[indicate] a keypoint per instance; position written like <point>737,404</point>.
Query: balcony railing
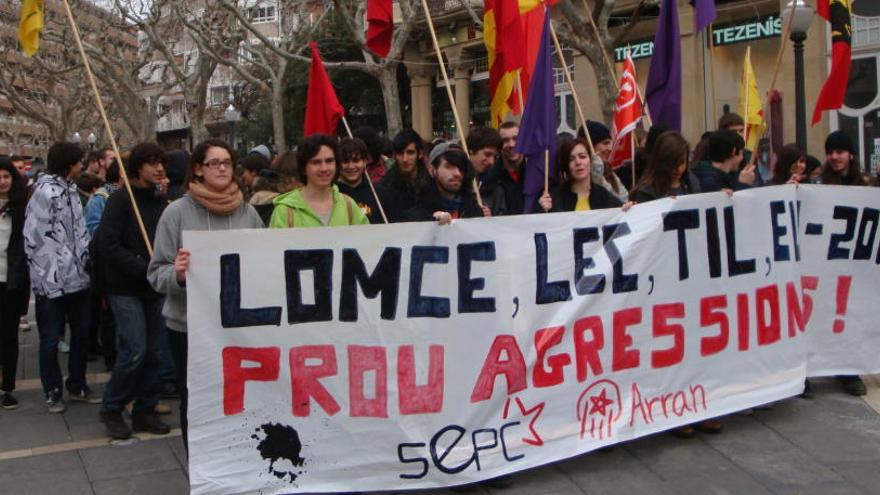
<point>440,7</point>
<point>171,122</point>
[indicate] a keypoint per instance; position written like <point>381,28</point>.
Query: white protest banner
<point>416,356</point>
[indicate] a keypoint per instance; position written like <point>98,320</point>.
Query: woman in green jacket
<point>318,203</point>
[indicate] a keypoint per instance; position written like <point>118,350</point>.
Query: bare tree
<point>173,53</point>
<point>597,41</point>
<point>258,64</point>
<point>352,12</point>
<point>48,89</point>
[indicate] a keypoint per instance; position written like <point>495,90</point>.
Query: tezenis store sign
<point>723,34</point>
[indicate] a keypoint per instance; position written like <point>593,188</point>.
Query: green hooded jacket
<point>291,210</point>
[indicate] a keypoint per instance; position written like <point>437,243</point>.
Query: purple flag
<point>704,13</point>
<point>537,131</point>
<point>663,91</point>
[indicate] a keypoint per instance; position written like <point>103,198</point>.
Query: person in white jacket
<point>56,245</point>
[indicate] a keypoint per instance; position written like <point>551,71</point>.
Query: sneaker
<point>8,401</point>
<point>711,426</point>
<point>149,422</point>
<point>116,427</point>
<point>63,347</point>
<point>84,395</point>
<point>853,385</point>
<point>54,402</point>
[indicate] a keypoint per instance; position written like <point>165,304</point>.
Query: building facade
<point>711,72</point>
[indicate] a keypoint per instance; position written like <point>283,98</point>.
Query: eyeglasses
<point>215,164</point>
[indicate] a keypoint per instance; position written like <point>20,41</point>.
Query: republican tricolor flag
<point>503,36</point>
<point>627,113</point>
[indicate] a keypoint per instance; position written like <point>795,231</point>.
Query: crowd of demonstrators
<point>77,239</point>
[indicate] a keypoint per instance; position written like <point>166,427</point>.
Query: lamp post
<point>800,24</point>
<point>92,139</point>
<point>76,138</point>
<point>232,116</point>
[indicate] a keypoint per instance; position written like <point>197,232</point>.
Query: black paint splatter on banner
<point>281,443</point>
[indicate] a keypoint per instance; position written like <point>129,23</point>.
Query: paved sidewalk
<point>829,445</point>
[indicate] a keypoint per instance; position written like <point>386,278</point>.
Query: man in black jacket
<point>447,197</point>
<point>354,182</point>
<point>136,307</point>
<point>721,170</point>
<point>505,178</point>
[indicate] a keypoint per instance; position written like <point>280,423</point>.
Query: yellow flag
<point>750,104</point>
<point>30,26</point>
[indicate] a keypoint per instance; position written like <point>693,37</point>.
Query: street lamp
<point>800,23</point>
<point>92,140</point>
<point>76,138</point>
<point>232,116</point>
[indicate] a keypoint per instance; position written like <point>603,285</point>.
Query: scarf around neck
<point>221,203</point>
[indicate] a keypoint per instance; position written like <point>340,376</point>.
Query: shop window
<point>861,89</point>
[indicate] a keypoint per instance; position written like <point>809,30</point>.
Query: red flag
<point>323,110</point>
<point>834,90</point>
<point>627,113</point>
<point>380,26</point>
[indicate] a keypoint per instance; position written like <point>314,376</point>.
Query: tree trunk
<point>278,106</point>
<point>387,77</point>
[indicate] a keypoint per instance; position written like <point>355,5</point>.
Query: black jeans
<point>177,342</point>
<point>9,316</point>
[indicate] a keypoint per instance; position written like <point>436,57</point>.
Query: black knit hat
<point>839,140</point>
<point>598,131</point>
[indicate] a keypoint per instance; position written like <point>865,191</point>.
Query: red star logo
<point>535,439</point>
<point>599,403</point>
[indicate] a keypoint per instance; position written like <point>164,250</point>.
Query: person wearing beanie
<point>176,171</point>
<point>261,150</point>
<point>841,167</point>
<point>448,196</point>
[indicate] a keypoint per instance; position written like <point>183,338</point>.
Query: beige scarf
<point>221,203</point>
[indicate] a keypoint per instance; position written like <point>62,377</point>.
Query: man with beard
<point>448,197</point>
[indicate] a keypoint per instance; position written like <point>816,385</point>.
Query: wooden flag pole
<point>599,42</point>
<point>100,104</point>
<point>577,103</point>
<point>783,42</point>
<point>709,32</point>
<point>458,125</point>
<point>366,175</point>
<point>632,161</point>
<point>519,92</point>
<point>748,88</point>
<point>547,171</point>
